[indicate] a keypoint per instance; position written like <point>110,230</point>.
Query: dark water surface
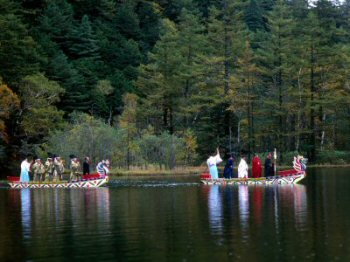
<point>180,220</point>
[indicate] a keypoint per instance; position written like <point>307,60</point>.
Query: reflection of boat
<point>88,181</point>
<point>284,177</point>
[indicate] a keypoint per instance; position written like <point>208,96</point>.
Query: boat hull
<point>274,180</point>
<point>91,183</point>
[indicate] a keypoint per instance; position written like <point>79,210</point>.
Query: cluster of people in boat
<point>52,170</point>
<point>257,167</point>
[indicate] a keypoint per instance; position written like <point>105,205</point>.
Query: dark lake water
<point>180,220</point>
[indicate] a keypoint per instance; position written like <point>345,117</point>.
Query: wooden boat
<point>88,181</point>
<point>284,177</point>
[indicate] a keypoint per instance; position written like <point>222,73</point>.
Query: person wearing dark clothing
<point>268,166</point>
<point>86,166</point>
<point>228,171</point>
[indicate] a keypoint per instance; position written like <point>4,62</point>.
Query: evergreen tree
<point>274,54</point>
<point>19,54</point>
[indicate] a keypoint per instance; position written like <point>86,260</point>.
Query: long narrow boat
<point>88,181</point>
<point>284,177</point>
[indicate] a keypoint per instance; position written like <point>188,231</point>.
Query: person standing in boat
<point>228,171</point>
<point>75,168</point>
<point>49,167</point>
<point>256,166</point>
<point>38,170</point>
<point>268,166</point>
<point>243,168</point>
<point>25,169</point>
<point>58,169</point>
<point>212,162</point>
<point>86,166</point>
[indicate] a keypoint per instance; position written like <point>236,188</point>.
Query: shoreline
<point>196,171</point>
<point>182,172</point>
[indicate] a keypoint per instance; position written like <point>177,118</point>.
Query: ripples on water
<point>178,220</point>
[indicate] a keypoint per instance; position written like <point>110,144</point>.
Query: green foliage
<point>39,114</point>
<point>19,55</point>
<point>241,75</point>
<point>333,157</point>
<point>88,136</point>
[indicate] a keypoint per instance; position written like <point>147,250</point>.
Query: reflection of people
<point>86,166</point>
<point>215,209</point>
<point>212,162</point>
<point>256,166</point>
<point>243,168</point>
<point>268,166</point>
<point>25,168</point>
<point>26,212</point>
<point>228,171</point>
<point>243,196</point>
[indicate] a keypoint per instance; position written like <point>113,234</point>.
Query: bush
<point>87,136</point>
<point>333,157</point>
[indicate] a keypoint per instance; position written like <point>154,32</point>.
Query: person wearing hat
<point>38,170</point>
<point>75,168</point>
<point>49,167</point>
<point>58,169</point>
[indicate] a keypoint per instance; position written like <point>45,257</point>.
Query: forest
<point>166,82</point>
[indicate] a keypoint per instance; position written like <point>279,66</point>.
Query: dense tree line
<point>247,75</point>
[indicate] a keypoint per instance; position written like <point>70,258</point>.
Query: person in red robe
<point>256,166</point>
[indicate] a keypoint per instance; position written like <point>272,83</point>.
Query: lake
<point>178,219</point>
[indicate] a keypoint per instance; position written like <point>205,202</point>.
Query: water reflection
<point>243,194</point>
<point>215,209</point>
<point>26,213</point>
<point>257,202</point>
<point>255,206</point>
<point>300,206</point>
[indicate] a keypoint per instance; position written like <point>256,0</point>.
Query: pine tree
<point>159,82</point>
<point>19,54</point>
<point>274,54</point>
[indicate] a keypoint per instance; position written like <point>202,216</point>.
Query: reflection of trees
<point>11,237</point>
<point>177,223</point>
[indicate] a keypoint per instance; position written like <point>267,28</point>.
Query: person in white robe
<point>25,168</point>
<point>212,162</point>
<point>243,168</point>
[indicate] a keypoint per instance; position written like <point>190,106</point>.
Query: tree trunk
<point>312,140</point>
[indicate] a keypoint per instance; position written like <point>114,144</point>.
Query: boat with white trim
<point>88,181</point>
<point>283,178</point>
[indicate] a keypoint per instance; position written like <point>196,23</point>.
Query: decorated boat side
<point>284,177</point>
<point>88,181</point>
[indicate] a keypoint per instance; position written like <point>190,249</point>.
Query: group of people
<point>53,169</point>
<point>213,161</point>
